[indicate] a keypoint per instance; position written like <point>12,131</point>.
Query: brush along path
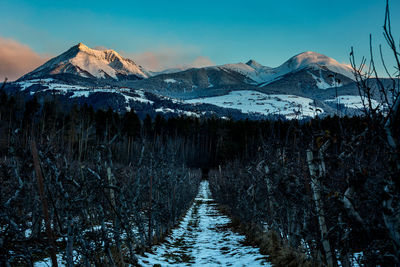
<point>204,239</point>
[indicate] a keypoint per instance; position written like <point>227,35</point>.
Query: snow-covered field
<point>353,101</point>
<point>290,106</point>
<point>203,239</point>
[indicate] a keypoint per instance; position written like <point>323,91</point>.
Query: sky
<point>164,34</point>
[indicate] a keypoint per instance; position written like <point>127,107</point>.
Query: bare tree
<point>369,81</point>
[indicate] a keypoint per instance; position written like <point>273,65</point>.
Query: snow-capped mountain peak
<point>89,63</point>
<point>263,75</point>
<point>82,47</point>
<point>313,59</point>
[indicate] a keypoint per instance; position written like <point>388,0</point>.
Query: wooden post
<point>39,176</point>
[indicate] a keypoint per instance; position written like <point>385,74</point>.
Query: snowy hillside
<point>89,63</point>
<point>290,106</point>
<point>75,91</point>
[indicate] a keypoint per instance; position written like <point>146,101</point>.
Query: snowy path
<point>203,239</point>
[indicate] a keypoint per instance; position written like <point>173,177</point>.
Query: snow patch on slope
<point>170,81</point>
<point>323,84</point>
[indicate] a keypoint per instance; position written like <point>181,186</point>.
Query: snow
<point>247,101</point>
<point>204,239</point>
<point>141,98</point>
<point>322,84</point>
<point>165,110</point>
<point>356,259</point>
<point>170,81</point>
<point>309,58</point>
<point>353,101</point>
<point>178,111</point>
<point>192,114</point>
<point>87,62</point>
<point>99,63</point>
<point>264,75</point>
<point>29,83</point>
<point>258,75</point>
<point>77,91</point>
<point>28,233</point>
<point>209,83</point>
<point>47,262</point>
<point>82,91</point>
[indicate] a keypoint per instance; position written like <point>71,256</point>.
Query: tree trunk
<point>316,188</point>
<point>39,176</point>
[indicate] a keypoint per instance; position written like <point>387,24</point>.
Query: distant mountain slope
<point>307,60</point>
<point>191,82</point>
<point>85,62</point>
<point>304,73</point>
<point>310,82</point>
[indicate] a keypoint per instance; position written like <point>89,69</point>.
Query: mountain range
<point>306,85</point>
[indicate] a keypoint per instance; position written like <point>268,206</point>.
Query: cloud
<point>17,59</point>
<point>201,61</point>
<point>170,57</point>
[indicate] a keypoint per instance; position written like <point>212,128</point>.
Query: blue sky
<point>221,31</point>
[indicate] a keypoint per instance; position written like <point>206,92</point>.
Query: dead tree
<point>388,124</point>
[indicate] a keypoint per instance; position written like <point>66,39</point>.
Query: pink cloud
<point>201,61</point>
<point>17,59</point>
